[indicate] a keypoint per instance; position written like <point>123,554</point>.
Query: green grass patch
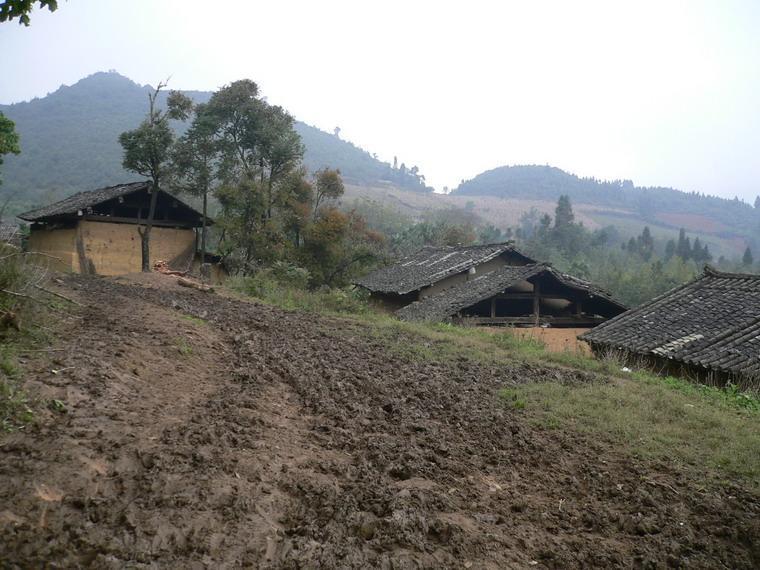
<point>294,296</point>
<point>15,405</point>
<point>183,347</point>
<point>701,427</point>
<point>192,319</point>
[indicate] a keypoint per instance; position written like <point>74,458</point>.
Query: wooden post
<point>536,302</point>
<point>493,307</point>
<point>578,308</point>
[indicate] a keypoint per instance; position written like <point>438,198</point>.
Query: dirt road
<point>205,432</point>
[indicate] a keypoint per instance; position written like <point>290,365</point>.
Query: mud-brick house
<point>96,232</point>
<point>487,285</point>
<point>708,329</point>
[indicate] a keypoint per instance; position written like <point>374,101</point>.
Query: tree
<point>327,184</point>
<point>281,151</point>
<point>757,202</point>
<point>747,257</point>
<point>563,213</point>
<point>683,247</point>
<point>194,158</point>
<point>646,244</point>
<point>147,150</point>
<point>670,249</point>
<point>20,9</point>
<point>9,144</point>
<point>9,140</point>
<point>338,244</point>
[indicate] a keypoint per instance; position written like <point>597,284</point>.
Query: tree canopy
<point>11,9</point>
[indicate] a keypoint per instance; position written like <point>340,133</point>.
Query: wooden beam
<point>536,302</point>
<point>529,296</point>
<point>120,220</point>
<point>531,321</point>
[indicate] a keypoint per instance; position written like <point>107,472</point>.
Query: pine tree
<point>747,257</point>
<point>646,247</point>
<point>670,249</point>
<point>563,214</point>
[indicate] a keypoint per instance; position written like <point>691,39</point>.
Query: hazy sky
<point>664,92</point>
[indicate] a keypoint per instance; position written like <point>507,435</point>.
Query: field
<point>175,428</point>
<point>504,213</point>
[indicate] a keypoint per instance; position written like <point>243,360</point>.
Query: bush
<point>285,285</point>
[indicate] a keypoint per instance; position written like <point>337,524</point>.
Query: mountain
<point>69,142</point>
<point>730,224</point>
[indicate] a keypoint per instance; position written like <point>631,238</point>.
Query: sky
<point>665,93</point>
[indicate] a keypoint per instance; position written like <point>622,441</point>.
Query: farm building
<point>487,285</point>
<point>708,328</point>
<point>95,232</point>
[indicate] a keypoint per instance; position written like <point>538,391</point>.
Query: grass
<point>711,431</point>
<point>183,347</point>
<point>665,418</point>
<point>15,405</point>
<point>194,320</point>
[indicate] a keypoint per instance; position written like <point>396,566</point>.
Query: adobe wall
<point>107,248</point>
<point>60,243</point>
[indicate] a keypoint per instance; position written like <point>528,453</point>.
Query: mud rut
<point>266,439</point>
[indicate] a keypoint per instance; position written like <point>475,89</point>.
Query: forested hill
<point>69,142</point>
<point>656,205</point>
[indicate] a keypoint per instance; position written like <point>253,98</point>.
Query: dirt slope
<point>266,439</point>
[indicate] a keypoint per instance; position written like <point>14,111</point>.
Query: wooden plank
<point>120,220</point>
<point>530,320</point>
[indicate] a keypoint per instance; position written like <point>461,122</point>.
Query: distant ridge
<point>69,142</point>
<point>655,205</point>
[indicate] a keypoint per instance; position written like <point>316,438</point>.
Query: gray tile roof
<point>82,200</point>
<point>452,300</point>
<point>431,264</point>
<point>712,322</point>
<point>466,294</point>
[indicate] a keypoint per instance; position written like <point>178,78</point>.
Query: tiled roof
<point>431,264</point>
<point>82,200</point>
<point>466,294</point>
<point>712,322</point>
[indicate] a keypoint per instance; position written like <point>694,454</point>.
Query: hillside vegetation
<point>732,224</point>
<point>69,142</point>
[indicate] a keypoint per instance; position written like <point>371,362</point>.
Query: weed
<point>183,346</point>
<point>57,406</point>
<point>193,319</point>
<point>512,397</point>
<point>15,410</point>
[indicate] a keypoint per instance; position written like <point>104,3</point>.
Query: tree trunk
<point>145,233</point>
<point>204,268</point>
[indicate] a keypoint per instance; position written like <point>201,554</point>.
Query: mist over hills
<point>69,142</point>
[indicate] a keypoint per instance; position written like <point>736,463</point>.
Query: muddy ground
<point>205,432</point>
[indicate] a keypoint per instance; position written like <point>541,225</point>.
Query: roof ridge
<point>635,311</point>
<point>711,271</point>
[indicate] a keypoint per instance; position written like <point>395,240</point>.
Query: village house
<point>708,329</point>
<point>96,232</point>
<point>492,284</point>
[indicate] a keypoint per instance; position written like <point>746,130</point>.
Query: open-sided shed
<point>492,284</point>
<point>97,231</point>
